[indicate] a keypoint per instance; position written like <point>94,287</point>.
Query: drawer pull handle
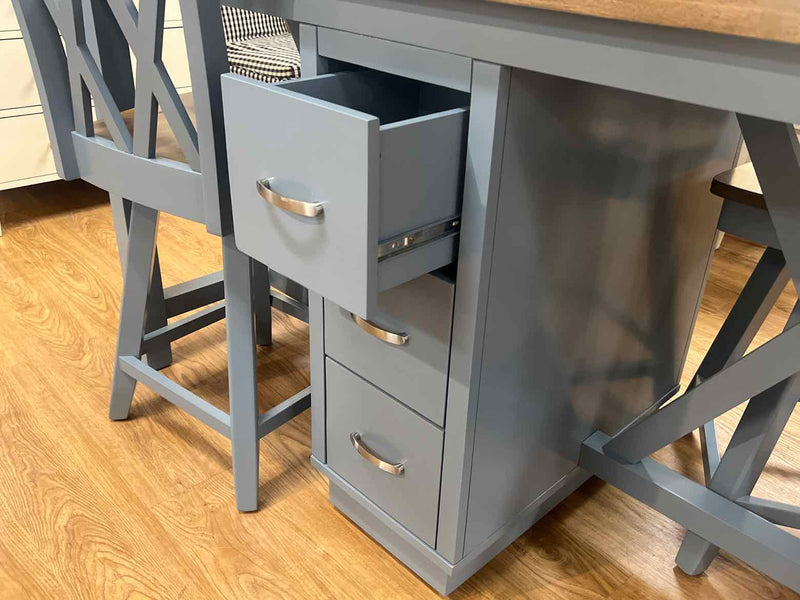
<point>398,339</point>
<point>363,450</point>
<point>298,207</point>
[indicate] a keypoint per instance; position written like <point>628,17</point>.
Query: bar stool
<point>150,160</point>
<point>744,214</point>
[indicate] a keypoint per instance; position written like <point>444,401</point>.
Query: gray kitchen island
<point>503,216</point>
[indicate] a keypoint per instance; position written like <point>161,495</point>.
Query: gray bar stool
<point>157,151</point>
<point>744,214</point>
<point>723,513</point>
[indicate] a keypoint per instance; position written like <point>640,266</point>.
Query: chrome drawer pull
<point>398,339</point>
<point>363,450</point>
<point>298,207</point>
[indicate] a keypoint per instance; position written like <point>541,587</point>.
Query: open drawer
<point>349,183</point>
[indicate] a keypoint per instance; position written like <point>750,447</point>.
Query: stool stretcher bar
<point>209,414</point>
<point>711,516</point>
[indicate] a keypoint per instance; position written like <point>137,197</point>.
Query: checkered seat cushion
<point>259,46</point>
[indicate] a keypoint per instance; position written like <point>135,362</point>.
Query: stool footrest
<point>174,331</point>
<point>284,412</point>
<point>192,294</point>
<point>209,414</point>
<point>287,304</point>
<point>202,291</point>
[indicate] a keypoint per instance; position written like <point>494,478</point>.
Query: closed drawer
<point>405,349</point>
<point>393,433</point>
<point>376,159</point>
<point>175,57</point>
<point>8,20</point>
<point>172,10</point>
<point>19,87</point>
<point>25,148</point>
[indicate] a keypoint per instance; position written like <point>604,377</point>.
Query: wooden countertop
<point>776,20</point>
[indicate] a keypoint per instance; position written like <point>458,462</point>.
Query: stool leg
<point>709,448</point>
<point>263,303</point>
<point>752,443</point>
<point>158,358</point>
<point>737,332</point>
<point>240,323</point>
<point>161,357</point>
<point>138,272</point>
<point>156,318</point>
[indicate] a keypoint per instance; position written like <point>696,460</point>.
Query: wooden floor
<point>90,508</point>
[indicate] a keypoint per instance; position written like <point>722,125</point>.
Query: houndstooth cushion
<point>240,24</point>
<point>259,46</point>
<point>269,59</point>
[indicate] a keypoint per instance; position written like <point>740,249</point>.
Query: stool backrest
<point>93,67</point>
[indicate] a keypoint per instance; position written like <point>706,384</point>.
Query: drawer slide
<point>414,239</point>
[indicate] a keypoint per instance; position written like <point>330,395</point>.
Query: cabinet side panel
<point>604,231</point>
<point>487,121</point>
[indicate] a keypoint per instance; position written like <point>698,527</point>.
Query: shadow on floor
<point>22,205</point>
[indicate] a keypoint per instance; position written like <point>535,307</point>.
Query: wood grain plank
<point>145,508</point>
<point>77,526</point>
<point>776,20</point>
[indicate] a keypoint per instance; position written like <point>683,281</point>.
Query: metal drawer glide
<point>418,237</point>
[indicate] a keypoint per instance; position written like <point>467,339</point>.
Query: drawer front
<point>25,151</point>
<point>175,57</point>
<point>19,87</point>
<point>172,10</point>
<point>8,20</point>
<point>413,368</point>
<point>395,434</point>
<point>312,141</point>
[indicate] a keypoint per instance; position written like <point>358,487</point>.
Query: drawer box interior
<point>390,98</point>
<point>420,180</point>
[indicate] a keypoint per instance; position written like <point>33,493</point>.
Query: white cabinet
<point>19,88</point>
<point>25,156</point>
<point>25,150</point>
<point>8,21</point>
<point>175,58</point>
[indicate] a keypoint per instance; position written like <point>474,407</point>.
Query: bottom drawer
<point>386,431</point>
<point>25,150</point>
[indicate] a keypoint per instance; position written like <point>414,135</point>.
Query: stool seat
<point>740,185</point>
<point>267,58</point>
<point>259,46</point>
<point>167,145</point>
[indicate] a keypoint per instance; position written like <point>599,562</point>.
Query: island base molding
<point>439,573</point>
